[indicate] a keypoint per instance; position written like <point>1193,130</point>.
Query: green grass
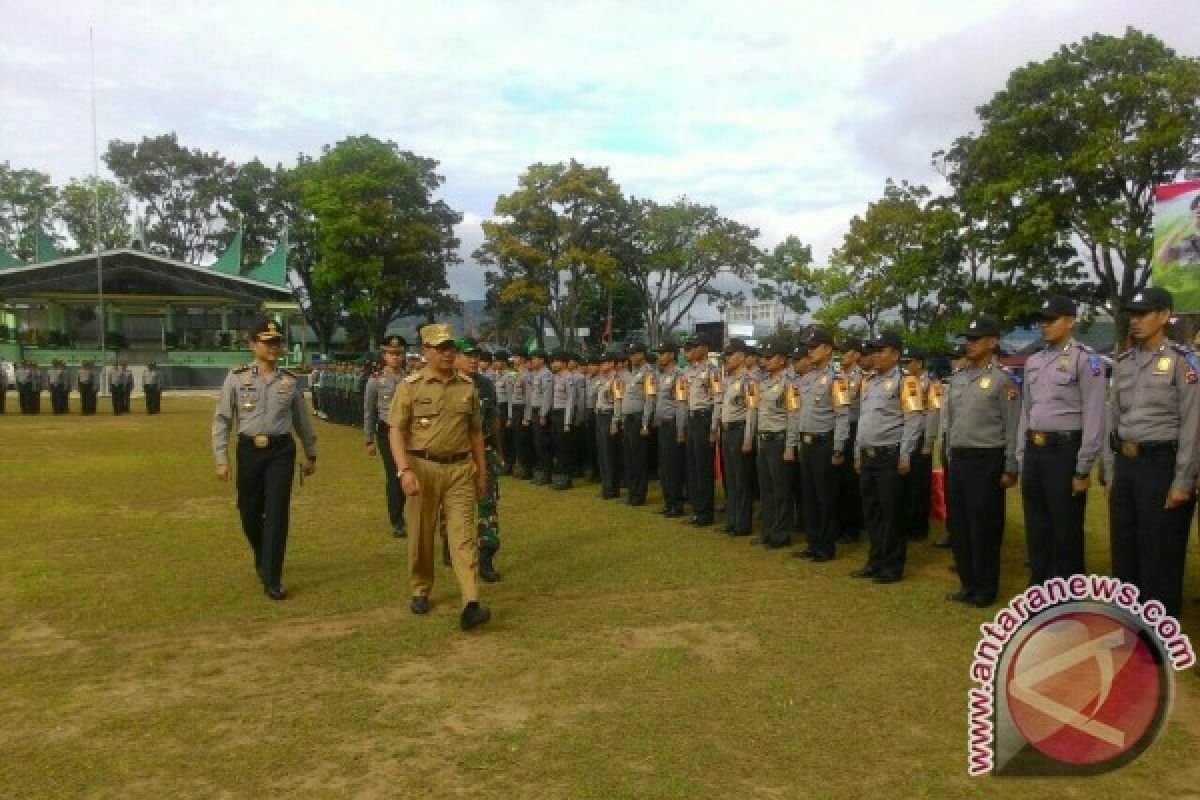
<point>628,657</point>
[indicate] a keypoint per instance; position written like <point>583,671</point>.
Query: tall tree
<point>78,206</point>
<point>786,275</point>
<point>383,242</point>
<point>558,229</point>
<point>257,208</point>
<point>27,205</point>
<point>1086,136</point>
<point>185,193</point>
<point>681,249</point>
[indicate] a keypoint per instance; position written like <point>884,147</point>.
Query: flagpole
<point>96,201</point>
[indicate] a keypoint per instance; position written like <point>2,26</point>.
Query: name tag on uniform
<point>1162,366</point>
<point>985,383</point>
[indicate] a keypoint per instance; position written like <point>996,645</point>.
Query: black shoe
<point>777,545</point>
<point>943,543</point>
<point>663,511</point>
<point>473,616</point>
<point>737,534</point>
<point>637,502</point>
<point>961,596</point>
<point>981,602</point>
<point>864,572</point>
<point>700,522</point>
<point>673,513</point>
<point>419,605</point>
<point>399,532</point>
<point>275,592</point>
<point>821,558</point>
<point>887,577</point>
<point>487,571</point>
<point>805,553</point>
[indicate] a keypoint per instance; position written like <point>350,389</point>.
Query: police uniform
<point>982,409</point>
<point>267,407</point>
<point>1153,422</point>
<point>822,423</point>
<point>56,382</point>
<point>560,413</point>
<point>1061,434</point>
<point>636,413</point>
<point>607,430</point>
<point>888,432</point>
<point>920,477</point>
<point>522,433</point>
<point>773,410</point>
<point>86,382</point>
<point>377,402</point>
<point>737,446</point>
<point>703,384</point>
<point>670,409</point>
<point>537,417</point>
<point>3,386</point>
<point>439,424</point>
<point>152,386</point>
<point>503,378</point>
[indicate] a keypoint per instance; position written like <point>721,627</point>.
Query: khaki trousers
<point>449,488</point>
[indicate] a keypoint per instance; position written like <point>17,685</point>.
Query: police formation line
<point>59,381</point>
<point>830,447</point>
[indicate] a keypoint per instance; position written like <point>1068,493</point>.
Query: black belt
<point>880,451</point>
<point>975,452</point>
<point>1137,449</point>
<point>814,438</point>
<point>766,436</point>
<point>440,458</point>
<point>737,423</point>
<point>1053,438</point>
<point>262,440</point>
<point>699,412</point>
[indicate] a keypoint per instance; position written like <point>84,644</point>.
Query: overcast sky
<point>786,116</point>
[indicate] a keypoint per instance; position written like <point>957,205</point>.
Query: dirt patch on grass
<point>714,643</point>
<point>40,639</point>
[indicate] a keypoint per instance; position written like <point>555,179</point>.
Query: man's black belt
<point>440,458</point>
<point>737,423</point>
<point>699,412</point>
<point>262,440</point>
<point>769,435</point>
<point>880,451</point>
<point>1053,438</point>
<point>816,438</point>
<point>975,452</point>
<point>1137,449</point>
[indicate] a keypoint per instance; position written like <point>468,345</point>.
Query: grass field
<point>628,656</point>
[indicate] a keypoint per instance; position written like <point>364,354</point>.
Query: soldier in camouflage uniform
<point>487,518</point>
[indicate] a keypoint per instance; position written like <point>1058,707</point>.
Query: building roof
<point>128,271</point>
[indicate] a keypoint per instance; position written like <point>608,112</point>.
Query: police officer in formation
<point>378,392</point>
<point>635,411</point>
<point>152,385</point>
<point>607,427</point>
<point>537,415</point>
<point>823,430</point>
<point>699,429</point>
<point>558,401</point>
<point>889,431</point>
<point>87,383</point>
<point>670,408</point>
<point>737,439</point>
<point>265,405</point>
<point>1150,465</point>
<point>916,520</point>
<point>120,387</point>
<point>775,440</point>
<point>518,430</point>
<point>29,387</point>
<point>849,500</point>
<point>58,382</point>
<point>983,408</point>
<point>1061,433</point>
<point>504,376</point>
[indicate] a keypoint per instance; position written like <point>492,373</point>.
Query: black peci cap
<point>886,339</point>
<point>1055,306</point>
<point>668,346</point>
<point>981,326</point>
<point>1150,299</point>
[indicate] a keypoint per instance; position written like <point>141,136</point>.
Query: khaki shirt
<point>438,415</point>
<point>270,405</point>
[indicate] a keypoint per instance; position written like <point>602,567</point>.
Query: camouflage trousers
<point>488,521</point>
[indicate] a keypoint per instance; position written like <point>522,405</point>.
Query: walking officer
<point>1061,435</point>
<point>670,408</point>
<point>703,385</point>
<point>982,411</point>
<point>1151,465</point>
<point>152,386</point>
<point>267,405</point>
<point>606,427</point>
<point>437,438</point>
<point>737,440</point>
<point>377,402</point>
<point>771,423</point>
<point>888,431</point>
<point>87,382</point>
<point>823,431</point>
<point>636,410</point>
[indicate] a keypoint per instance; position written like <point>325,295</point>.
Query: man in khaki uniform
<point>436,437</point>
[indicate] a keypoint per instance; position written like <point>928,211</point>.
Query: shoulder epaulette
<point>240,370</point>
<point>1183,350</point>
<point>288,372</point>
<point>1085,348</point>
<point>1190,358</point>
<point>1125,354</point>
<point>413,378</point>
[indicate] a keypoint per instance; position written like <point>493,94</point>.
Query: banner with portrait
<point>1176,254</point>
